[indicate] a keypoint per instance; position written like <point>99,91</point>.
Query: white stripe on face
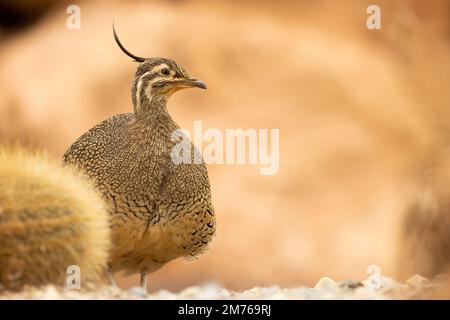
<point>138,89</point>
<point>161,66</point>
<point>148,92</point>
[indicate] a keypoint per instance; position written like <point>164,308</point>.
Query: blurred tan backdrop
<point>359,113</point>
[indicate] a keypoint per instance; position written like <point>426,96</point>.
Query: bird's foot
<point>144,277</point>
<point>112,281</point>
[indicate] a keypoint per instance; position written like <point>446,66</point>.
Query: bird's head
<point>161,76</point>
<point>156,79</point>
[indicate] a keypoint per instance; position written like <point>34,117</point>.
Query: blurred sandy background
<point>359,113</point>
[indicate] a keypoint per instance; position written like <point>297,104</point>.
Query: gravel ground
<point>376,286</point>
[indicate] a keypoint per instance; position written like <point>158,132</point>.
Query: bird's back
<point>121,155</point>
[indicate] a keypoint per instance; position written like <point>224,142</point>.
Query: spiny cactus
<point>51,217</point>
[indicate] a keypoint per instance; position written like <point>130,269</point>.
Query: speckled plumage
<point>159,210</point>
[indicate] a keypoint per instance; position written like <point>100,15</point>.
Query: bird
<point>160,210</point>
<point>51,218</point>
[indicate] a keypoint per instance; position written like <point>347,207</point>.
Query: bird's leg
<point>144,276</point>
<point>110,275</point>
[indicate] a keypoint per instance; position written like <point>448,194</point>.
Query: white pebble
<point>417,281</point>
<point>325,283</point>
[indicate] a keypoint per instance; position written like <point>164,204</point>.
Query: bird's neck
<point>153,110</point>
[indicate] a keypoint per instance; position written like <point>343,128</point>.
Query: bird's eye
<point>165,71</point>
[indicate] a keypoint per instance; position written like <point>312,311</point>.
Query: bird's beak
<point>191,82</point>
